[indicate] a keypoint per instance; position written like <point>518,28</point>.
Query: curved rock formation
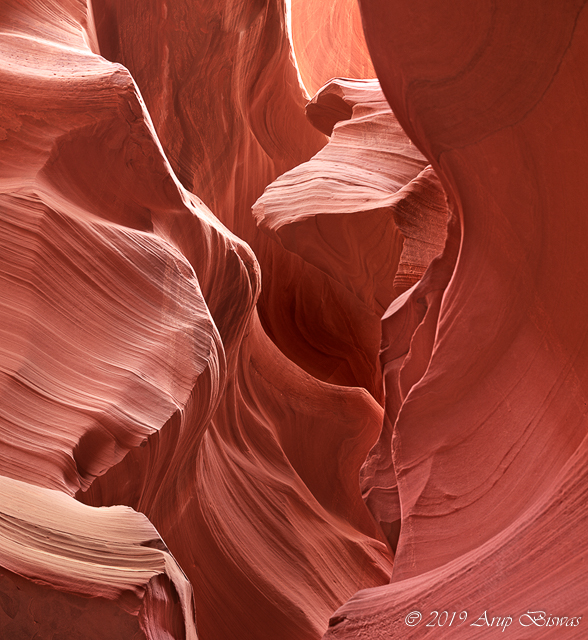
<point>225,100</point>
<point>360,399</point>
<point>365,209</point>
<point>489,441</point>
<point>125,308</point>
<point>221,89</point>
<point>54,550</point>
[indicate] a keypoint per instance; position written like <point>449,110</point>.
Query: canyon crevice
<point>293,320</point>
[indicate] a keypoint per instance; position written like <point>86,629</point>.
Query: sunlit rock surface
<point>135,368</point>
<point>272,369</point>
<point>328,41</point>
<point>365,209</point>
<point>54,551</point>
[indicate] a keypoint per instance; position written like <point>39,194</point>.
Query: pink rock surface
<point>129,302</point>
<point>361,399</point>
<point>489,430</point>
<point>365,209</point>
<point>54,550</point>
<point>224,96</point>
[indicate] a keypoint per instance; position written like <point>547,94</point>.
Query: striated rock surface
<point>54,550</point>
<point>221,89</point>
<point>223,93</point>
<point>521,582</point>
<point>366,209</point>
<point>259,336</point>
<point>125,303</point>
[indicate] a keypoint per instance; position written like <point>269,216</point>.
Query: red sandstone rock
<point>151,397</point>
<point>369,213</point>
<point>328,42</point>
<point>142,365</point>
<point>489,439</point>
<point>224,96</point>
<point>79,571</point>
<point>364,209</point>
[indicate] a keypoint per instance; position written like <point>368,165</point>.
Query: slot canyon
<point>293,319</point>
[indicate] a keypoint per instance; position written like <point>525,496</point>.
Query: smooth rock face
<point>134,363</point>
<point>272,368</point>
<point>328,41</point>
<point>488,442</point>
<point>366,210</point>
<point>353,209</point>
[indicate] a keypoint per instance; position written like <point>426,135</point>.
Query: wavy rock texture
<point>351,397</point>
<point>134,363</point>
<point>260,447</point>
<point>489,445</point>
<point>365,209</point>
<point>370,213</point>
<point>114,557</point>
<point>224,96</point>
<point>105,329</point>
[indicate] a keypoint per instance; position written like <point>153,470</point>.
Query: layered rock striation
<point>274,366</point>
